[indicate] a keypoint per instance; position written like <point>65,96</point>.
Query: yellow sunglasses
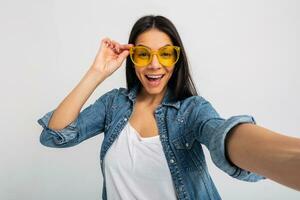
<point>142,56</point>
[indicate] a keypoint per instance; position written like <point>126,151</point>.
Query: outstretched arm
<point>265,152</point>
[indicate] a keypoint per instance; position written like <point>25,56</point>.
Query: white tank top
<point>136,168</point>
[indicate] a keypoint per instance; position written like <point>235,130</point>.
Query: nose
<point>154,63</point>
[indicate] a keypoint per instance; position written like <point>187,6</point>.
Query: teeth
<point>153,76</point>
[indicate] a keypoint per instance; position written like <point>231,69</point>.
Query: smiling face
<point>154,39</point>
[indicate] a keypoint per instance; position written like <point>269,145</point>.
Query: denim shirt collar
<point>167,100</point>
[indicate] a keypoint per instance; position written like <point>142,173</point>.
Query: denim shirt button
<point>125,119</point>
<point>181,188</point>
<point>187,144</point>
<point>163,136</point>
<point>180,120</point>
<point>172,161</point>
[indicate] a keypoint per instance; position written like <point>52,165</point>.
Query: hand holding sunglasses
<point>110,56</point>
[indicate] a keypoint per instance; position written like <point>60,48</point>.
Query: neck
<point>150,99</point>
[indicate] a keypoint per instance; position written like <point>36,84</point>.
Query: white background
<point>244,58</point>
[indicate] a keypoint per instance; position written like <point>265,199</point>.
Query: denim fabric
<point>183,126</point>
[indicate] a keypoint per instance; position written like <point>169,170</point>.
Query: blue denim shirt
<point>183,126</point>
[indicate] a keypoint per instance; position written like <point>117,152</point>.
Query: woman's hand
<point>265,152</point>
<point>110,56</point>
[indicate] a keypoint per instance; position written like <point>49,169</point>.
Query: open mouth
<point>154,77</point>
<point>154,80</point>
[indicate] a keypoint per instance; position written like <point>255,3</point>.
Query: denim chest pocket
<point>186,152</point>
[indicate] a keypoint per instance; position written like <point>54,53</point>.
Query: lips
<point>152,77</point>
<point>154,80</point>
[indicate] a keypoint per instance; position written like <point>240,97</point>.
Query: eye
<point>143,54</point>
<point>166,54</point>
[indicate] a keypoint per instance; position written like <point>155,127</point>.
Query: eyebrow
<point>150,48</point>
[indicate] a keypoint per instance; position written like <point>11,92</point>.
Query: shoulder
<point>123,91</point>
<point>197,106</point>
<point>113,93</point>
<point>194,101</point>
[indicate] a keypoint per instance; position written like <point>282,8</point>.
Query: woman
<point>153,130</point>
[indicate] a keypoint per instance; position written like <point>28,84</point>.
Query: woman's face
<point>154,39</point>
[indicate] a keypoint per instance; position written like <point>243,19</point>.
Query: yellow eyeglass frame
<point>153,52</point>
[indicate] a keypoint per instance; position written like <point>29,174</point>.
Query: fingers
<point>115,46</point>
<point>126,46</point>
<point>122,56</point>
<point>110,44</point>
<point>106,41</point>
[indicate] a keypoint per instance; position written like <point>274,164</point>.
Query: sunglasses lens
<point>168,56</point>
<point>140,56</point>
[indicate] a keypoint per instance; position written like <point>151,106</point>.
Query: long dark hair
<point>181,83</point>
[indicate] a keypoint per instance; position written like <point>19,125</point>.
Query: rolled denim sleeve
<point>212,131</point>
<point>90,122</point>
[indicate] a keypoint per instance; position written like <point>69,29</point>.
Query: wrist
<point>95,76</point>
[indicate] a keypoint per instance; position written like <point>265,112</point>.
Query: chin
<point>154,90</point>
